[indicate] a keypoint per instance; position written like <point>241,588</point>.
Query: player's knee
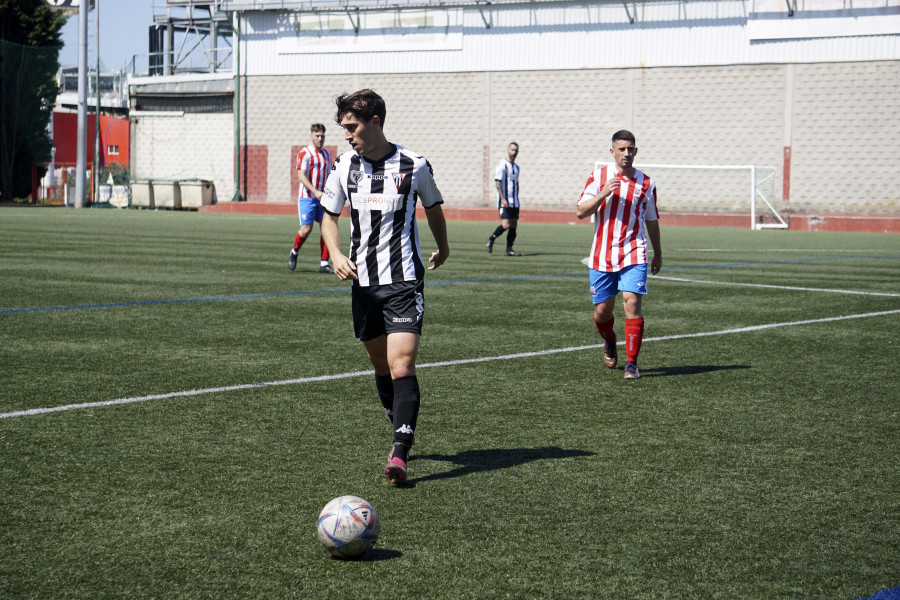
<point>403,370</point>
<point>603,312</point>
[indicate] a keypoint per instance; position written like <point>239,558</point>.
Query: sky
<point>124,26</point>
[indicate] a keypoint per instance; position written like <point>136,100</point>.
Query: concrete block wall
<point>192,146</point>
<point>742,114</point>
<point>437,115</point>
<point>279,111</point>
<point>254,172</point>
<point>846,126</point>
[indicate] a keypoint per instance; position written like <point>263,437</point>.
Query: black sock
<point>401,451</point>
<point>406,410</point>
<point>510,238</point>
<point>497,232</point>
<point>385,388</point>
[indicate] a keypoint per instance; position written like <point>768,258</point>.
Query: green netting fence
<point>27,94</point>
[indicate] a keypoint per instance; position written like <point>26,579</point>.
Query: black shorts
<point>509,212</point>
<point>382,309</point>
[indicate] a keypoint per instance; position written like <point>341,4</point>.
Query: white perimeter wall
<point>190,146</point>
<point>837,118</point>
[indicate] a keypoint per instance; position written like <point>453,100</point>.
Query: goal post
<point>755,184</point>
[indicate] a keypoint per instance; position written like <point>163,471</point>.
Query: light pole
<point>96,163</point>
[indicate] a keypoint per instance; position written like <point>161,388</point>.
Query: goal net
<point>717,188</point>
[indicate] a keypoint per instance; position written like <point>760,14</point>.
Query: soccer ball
<point>348,526</point>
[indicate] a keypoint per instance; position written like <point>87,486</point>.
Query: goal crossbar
<point>758,176</point>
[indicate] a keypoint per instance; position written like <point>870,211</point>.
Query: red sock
<point>634,334</point>
<point>324,249</point>
<point>606,329</point>
<point>298,241</point>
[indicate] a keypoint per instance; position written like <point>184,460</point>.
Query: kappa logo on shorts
<point>402,320</point>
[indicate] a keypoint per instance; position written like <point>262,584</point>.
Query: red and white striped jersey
<point>315,165</point>
<point>384,239</point>
<point>619,239</point>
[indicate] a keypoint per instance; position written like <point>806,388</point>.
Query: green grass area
<point>747,463</point>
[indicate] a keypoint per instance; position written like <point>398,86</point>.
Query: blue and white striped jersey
<point>507,174</point>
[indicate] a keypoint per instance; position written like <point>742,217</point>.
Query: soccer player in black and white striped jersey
<point>506,179</point>
<point>383,182</point>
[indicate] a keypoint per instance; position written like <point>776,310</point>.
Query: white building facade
<point>797,85</point>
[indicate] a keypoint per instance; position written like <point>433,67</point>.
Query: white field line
<point>448,363</point>
<point>778,287</point>
<point>828,250</point>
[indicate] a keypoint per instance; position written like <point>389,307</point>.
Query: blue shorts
<point>606,284</point>
<point>310,210</point>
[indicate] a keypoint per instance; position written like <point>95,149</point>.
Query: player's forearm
<point>499,190</point>
<point>438,225</point>
<point>331,235</point>
<point>304,180</point>
<point>653,233</point>
<point>589,207</point>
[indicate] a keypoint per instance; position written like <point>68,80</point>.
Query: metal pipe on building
<point>237,108</point>
<point>81,150</point>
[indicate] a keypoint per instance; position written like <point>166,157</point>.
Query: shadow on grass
<point>688,370</point>
<point>476,461</point>
<point>379,554</point>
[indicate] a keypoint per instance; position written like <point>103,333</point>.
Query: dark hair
<point>512,144</point>
<point>364,104</point>
<point>316,127</point>
<point>625,135</point>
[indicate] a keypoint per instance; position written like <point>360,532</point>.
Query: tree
<point>30,42</point>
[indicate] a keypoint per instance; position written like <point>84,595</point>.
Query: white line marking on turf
<point>778,287</point>
<point>830,250</point>
<point>447,363</point>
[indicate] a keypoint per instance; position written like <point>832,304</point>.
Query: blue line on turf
<point>150,302</point>
<point>493,280</point>
<point>887,594</point>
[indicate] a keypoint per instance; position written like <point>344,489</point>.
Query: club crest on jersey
<point>398,179</point>
<point>356,176</point>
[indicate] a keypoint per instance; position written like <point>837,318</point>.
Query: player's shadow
<point>688,370</point>
<point>477,461</point>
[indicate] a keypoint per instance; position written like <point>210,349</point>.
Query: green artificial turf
<point>746,463</point>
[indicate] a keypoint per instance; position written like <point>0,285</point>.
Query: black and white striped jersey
<point>507,173</point>
<point>384,239</point>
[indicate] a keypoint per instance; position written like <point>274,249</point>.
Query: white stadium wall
<point>563,120</point>
<point>698,81</point>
